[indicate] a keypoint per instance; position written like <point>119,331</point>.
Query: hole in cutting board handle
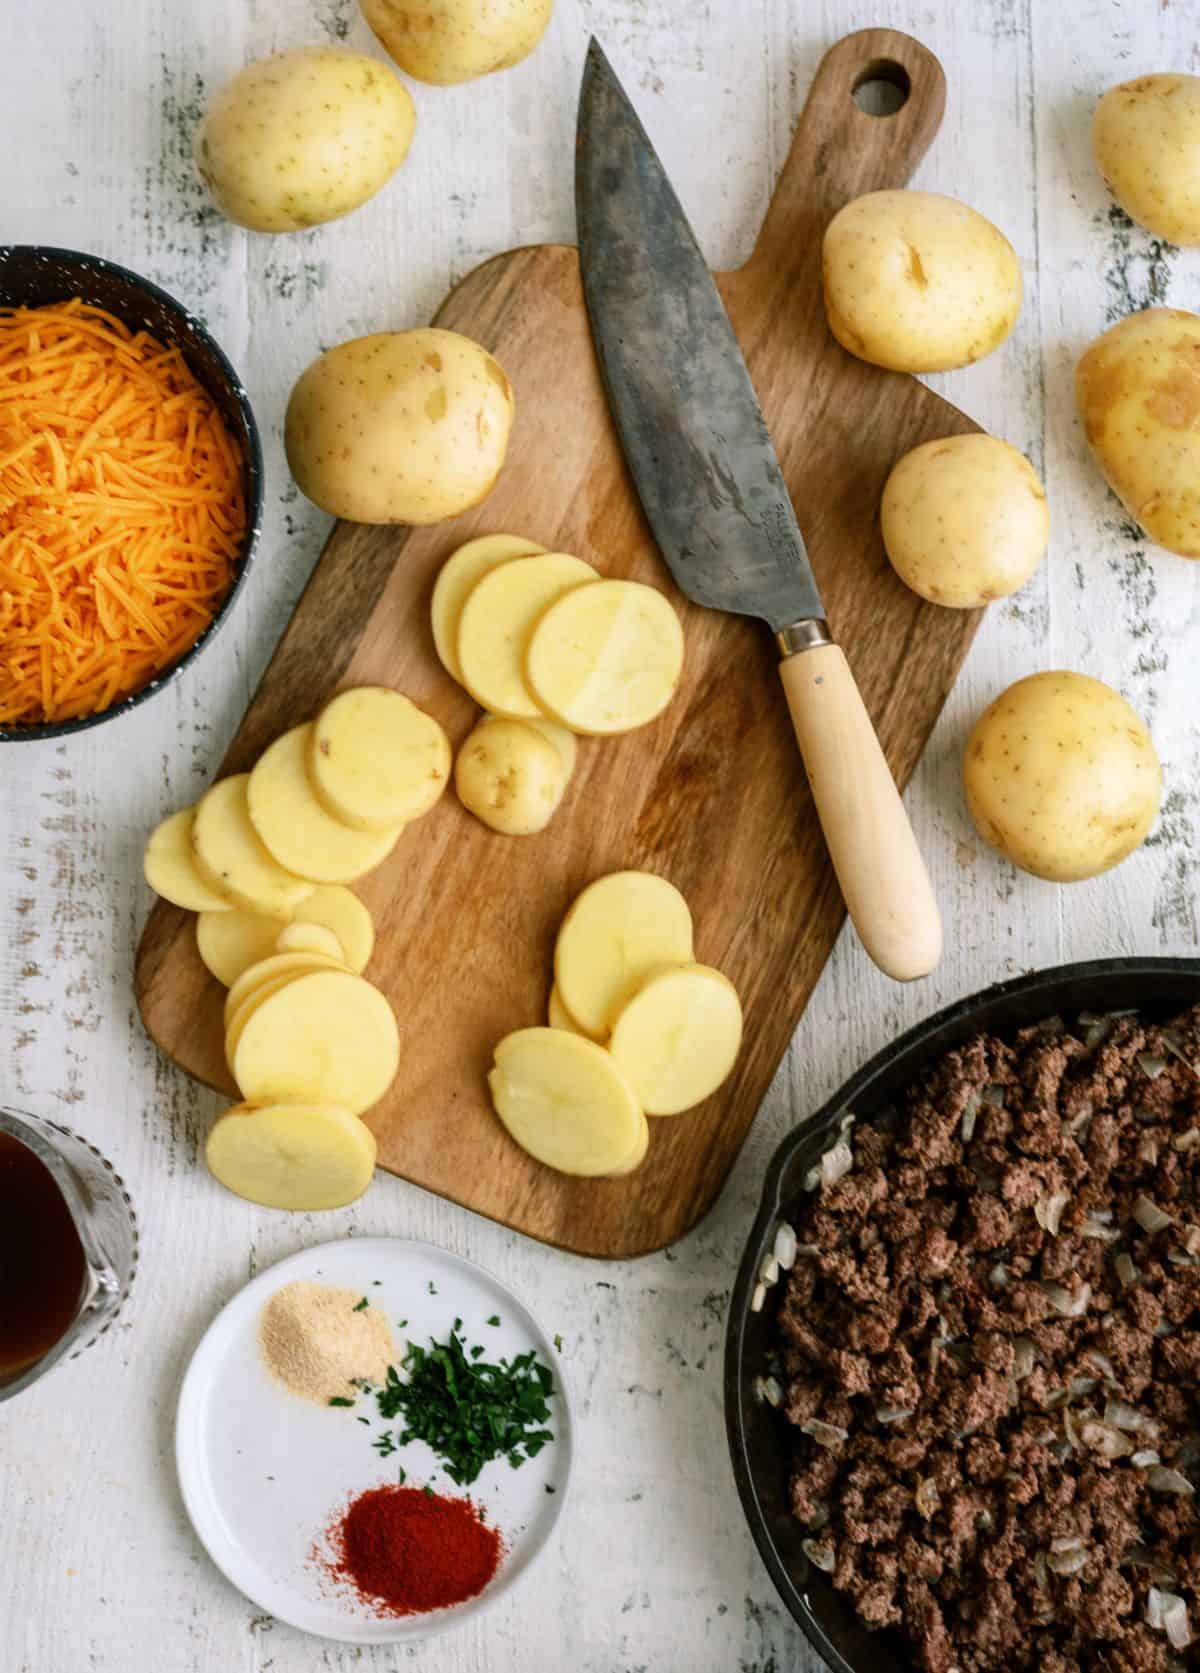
<point>882,88</point>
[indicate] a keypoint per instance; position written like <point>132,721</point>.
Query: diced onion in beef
<point>1174,1045</point>
<point>786,1247</point>
<point>1191,1239</point>
<point>1156,1602</point>
<point>768,1271</point>
<point>1056,1397</point>
<point>1138,1557</point>
<point>819,1518</point>
<point>1072,1433</point>
<point>993,1095</point>
<point>927,1498</point>
<point>1053,1026</point>
<point>1024,1356</point>
<point>1079,1386</point>
<point>1069,1542</point>
<point>893,1414</point>
<point>1119,1414</point>
<point>1063,1302</point>
<point>1104,1215</point>
<point>970,1115</point>
<point>1126,1271</point>
<point>1164,1480</point>
<point>836,1163</point>
<point>1145,1459</point>
<point>1040,1577</point>
<point>1149,1216</point>
<point>820,1554</point>
<point>1179,1628</point>
<point>1147,1151</point>
<point>828,1435</point>
<point>773,1391</point>
<point>1048,1211</point>
<point>1188,1140</point>
<point>998,1276</point>
<point>1103,1364</point>
<point>1109,1443</point>
<point>1066,1562</point>
<point>1098,1029</point>
<point>1094,1227</point>
<point>1178,1257</point>
<point>1151,1064</point>
<point>758,1299</point>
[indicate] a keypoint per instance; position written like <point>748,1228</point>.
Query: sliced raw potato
<point>640,1148</point>
<point>342,912</point>
<point>565,1101</point>
<point>558,1016</point>
<point>326,1038</point>
<point>299,1156</point>
<point>564,741</point>
<point>678,1037</point>
<point>231,941</point>
<point>231,857</point>
<point>376,760</point>
<point>310,938</point>
<point>266,970</point>
<point>606,658</point>
<point>457,578</point>
<point>510,777</point>
<point>619,931</point>
<point>497,620</point>
<point>170,866</point>
<point>243,1012</point>
<point>296,829</point>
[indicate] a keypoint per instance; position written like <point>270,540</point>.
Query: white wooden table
<point>99,1570</point>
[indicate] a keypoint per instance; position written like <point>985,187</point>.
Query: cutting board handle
<point>840,151</point>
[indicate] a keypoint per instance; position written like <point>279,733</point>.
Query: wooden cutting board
<point>712,795</point>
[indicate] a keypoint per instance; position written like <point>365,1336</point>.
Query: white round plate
<point>263,1471</point>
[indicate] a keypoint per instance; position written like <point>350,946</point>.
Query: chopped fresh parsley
<point>402,1324</point>
<point>551,1489</point>
<point>427,1490</point>
<point>340,1400</point>
<point>495,1319</point>
<point>384,1444</point>
<point>469,1410</point>
<point>365,1420</point>
<point>362,1306</point>
<point>557,1343</point>
<point>432,1287</point>
<point>403,1475</point>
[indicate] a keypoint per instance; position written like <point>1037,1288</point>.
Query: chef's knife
<point>698,450</point>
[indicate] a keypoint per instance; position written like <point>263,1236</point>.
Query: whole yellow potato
<point>303,137</point>
<point>399,427</point>
<point>510,776</point>
<point>918,282</point>
<point>1138,392</point>
<point>1061,776</point>
<point>964,520</point>
<point>1146,141</point>
<point>445,41</point>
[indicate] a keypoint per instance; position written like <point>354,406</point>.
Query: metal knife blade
<point>692,431</point>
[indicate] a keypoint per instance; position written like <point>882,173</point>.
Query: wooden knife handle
<point>871,843</point>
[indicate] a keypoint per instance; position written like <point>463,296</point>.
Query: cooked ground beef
<point>1002,1402</point>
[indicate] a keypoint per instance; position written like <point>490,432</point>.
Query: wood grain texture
<point>711,796</point>
<point>654,1568</point>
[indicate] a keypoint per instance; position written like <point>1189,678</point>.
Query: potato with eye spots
<point>1146,141</point>
<point>448,41</point>
<point>964,520</point>
<point>303,137</point>
<point>918,282</point>
<point>1061,776</point>
<point>510,776</point>
<point>399,427</point>
<point>1137,389</point>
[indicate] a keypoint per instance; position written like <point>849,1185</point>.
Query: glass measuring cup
<point>85,1197</point>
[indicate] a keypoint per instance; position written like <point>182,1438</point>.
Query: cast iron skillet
<point>32,275</point>
<point>757,1435</point>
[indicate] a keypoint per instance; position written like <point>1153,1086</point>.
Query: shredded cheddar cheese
<point>122,512</point>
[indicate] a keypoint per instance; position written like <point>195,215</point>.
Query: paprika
<point>407,1550</point>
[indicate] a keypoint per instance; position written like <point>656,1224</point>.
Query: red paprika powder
<point>406,1550</point>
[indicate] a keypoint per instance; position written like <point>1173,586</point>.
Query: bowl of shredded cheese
<point>130,490</point>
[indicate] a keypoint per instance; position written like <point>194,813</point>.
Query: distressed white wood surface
<point>98,1567</point>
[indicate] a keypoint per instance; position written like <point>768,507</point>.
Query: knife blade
<point>706,473</point>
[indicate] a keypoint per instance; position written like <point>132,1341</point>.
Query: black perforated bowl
<point>758,1439</point>
<point>32,275</point>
